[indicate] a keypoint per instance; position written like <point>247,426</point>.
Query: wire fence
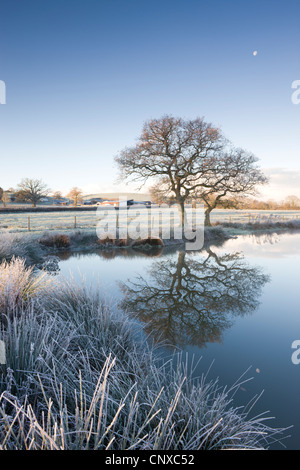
<point>40,222</point>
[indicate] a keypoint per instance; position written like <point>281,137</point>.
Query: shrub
<point>57,241</point>
<point>121,242</point>
<point>150,241</point>
<point>106,240</point>
<point>80,237</point>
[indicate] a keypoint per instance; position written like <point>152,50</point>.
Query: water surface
<point>235,305</point>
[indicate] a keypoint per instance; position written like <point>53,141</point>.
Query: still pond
<point>235,306</point>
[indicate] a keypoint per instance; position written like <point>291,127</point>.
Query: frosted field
<point>39,222</point>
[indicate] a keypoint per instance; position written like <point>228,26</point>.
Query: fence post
<point>75,222</point>
<point>28,224</point>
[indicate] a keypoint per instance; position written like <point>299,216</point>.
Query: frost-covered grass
<point>34,247</point>
<point>20,285</point>
<point>39,222</point>
<point>87,220</point>
<point>79,376</point>
<point>270,225</point>
<point>20,245</point>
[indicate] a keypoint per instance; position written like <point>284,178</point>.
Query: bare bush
<point>56,240</point>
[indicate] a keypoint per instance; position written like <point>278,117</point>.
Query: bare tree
<point>189,159</point>
<point>235,173</point>
<point>193,299</point>
<point>173,151</point>
<point>76,195</point>
<point>160,194</point>
<point>5,198</point>
<point>32,190</point>
<point>292,202</point>
<point>57,195</point>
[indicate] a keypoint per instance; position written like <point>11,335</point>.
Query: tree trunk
<point>181,213</point>
<point>207,222</point>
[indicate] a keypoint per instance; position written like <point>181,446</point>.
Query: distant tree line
<point>289,203</point>
<point>34,191</point>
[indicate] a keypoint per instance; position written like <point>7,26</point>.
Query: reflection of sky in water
<point>262,339</point>
<point>265,245</point>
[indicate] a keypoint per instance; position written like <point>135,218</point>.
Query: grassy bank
<point>263,227</point>
<point>34,247</point>
<point>79,376</point>
<point>87,218</point>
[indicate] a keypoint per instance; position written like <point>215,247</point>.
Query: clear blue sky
<point>83,75</point>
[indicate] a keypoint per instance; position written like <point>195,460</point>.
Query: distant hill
<point>135,196</point>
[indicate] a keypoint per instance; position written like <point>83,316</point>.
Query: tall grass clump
<point>78,375</point>
<point>20,284</point>
<point>20,245</point>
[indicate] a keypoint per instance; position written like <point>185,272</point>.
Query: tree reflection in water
<point>191,300</point>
